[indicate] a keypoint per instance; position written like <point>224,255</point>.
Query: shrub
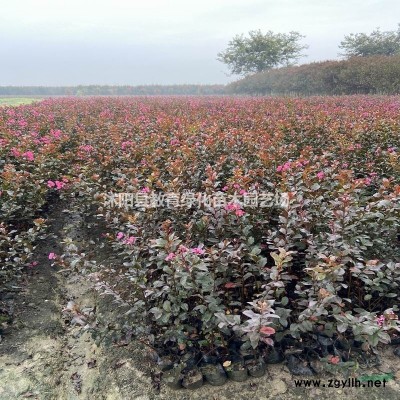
<point>314,265</point>
<point>358,75</point>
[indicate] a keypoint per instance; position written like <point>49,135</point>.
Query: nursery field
<point>151,243</point>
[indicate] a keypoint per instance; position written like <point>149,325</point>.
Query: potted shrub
<point>236,370</point>
<point>214,374</point>
<point>193,379</point>
<point>256,367</point>
<point>173,377</point>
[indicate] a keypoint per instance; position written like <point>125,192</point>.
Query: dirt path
<point>49,352</point>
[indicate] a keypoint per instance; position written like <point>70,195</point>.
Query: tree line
<point>358,75</point>
<point>106,90</point>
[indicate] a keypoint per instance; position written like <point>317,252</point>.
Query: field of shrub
<point>246,228</point>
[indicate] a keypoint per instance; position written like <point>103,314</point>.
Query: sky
<point>130,42</point>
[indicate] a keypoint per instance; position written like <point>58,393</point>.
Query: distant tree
<point>377,43</point>
<point>259,52</point>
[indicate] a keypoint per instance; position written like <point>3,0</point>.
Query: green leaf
<point>284,301</point>
<point>167,306</point>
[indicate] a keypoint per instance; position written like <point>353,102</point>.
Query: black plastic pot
<point>247,357</point>
<point>234,358</point>
<point>298,366</point>
<point>165,364</point>
<point>208,359</point>
<point>173,377</point>
<point>274,356</point>
<point>214,374</point>
<point>193,379</point>
<point>395,340</point>
<point>237,372</point>
<point>190,360</point>
<point>256,368</point>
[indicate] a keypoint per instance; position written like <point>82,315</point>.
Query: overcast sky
<point>57,42</point>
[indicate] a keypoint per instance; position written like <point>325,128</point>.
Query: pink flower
<point>367,181</point>
<point>22,123</point>
<point>380,320</point>
<point>170,257</point>
<point>130,240</point>
<point>183,249</point>
<point>125,144</point>
<point>56,133</point>
<point>15,152</point>
<point>146,189</point>
<point>197,250</point>
<point>59,185</point>
<point>320,175</point>
<point>52,256</point>
<point>120,235</point>
<point>225,188</point>
<point>33,264</point>
<point>239,213</point>
<point>87,147</point>
<point>44,140</point>
<point>243,192</point>
<point>284,167</point>
<point>236,208</point>
<point>230,207</point>
<point>29,155</point>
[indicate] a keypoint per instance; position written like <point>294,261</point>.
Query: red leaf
<point>267,330</point>
<point>334,359</point>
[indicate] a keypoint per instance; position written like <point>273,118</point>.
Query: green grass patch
<point>16,101</point>
<point>374,378</point>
